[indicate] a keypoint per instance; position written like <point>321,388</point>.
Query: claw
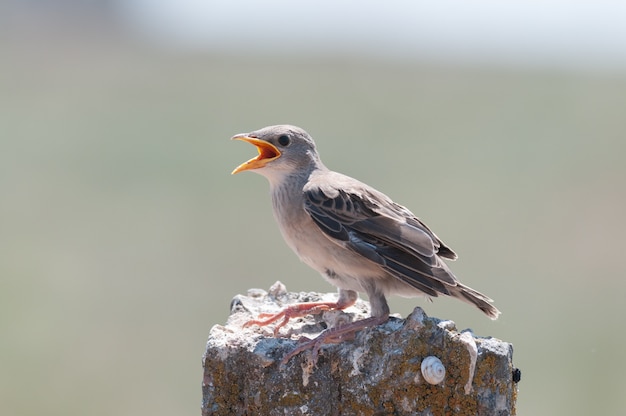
<point>297,310</point>
<point>333,336</point>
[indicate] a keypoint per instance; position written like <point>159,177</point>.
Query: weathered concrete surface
<point>377,373</point>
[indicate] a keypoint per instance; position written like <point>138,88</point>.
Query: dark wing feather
<point>386,233</point>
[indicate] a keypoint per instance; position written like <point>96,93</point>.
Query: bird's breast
<point>340,266</point>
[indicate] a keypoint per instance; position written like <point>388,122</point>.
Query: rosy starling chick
<point>355,236</point>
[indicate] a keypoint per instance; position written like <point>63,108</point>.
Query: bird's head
<point>283,150</point>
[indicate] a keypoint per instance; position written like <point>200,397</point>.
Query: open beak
<point>267,153</point>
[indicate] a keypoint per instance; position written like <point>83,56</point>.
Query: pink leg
<point>334,335</point>
<point>298,310</point>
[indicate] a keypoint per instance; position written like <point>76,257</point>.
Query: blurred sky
<point>124,237</point>
<point>561,33</point>
<point>574,34</point>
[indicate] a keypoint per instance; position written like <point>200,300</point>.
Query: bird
<point>355,236</point>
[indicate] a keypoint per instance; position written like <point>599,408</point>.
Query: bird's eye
<point>284,140</point>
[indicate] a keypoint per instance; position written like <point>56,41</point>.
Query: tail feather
<point>477,299</point>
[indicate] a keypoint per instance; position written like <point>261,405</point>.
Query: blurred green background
<point>124,236</point>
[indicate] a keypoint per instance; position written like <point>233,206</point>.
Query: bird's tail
<point>477,299</point>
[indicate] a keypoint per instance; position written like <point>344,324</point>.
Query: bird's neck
<point>292,183</point>
<point>287,193</point>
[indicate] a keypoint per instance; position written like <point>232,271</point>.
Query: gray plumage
<point>355,236</point>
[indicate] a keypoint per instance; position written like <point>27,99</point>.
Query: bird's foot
<point>296,310</point>
<point>333,336</point>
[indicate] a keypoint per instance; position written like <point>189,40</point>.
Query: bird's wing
<point>370,224</point>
